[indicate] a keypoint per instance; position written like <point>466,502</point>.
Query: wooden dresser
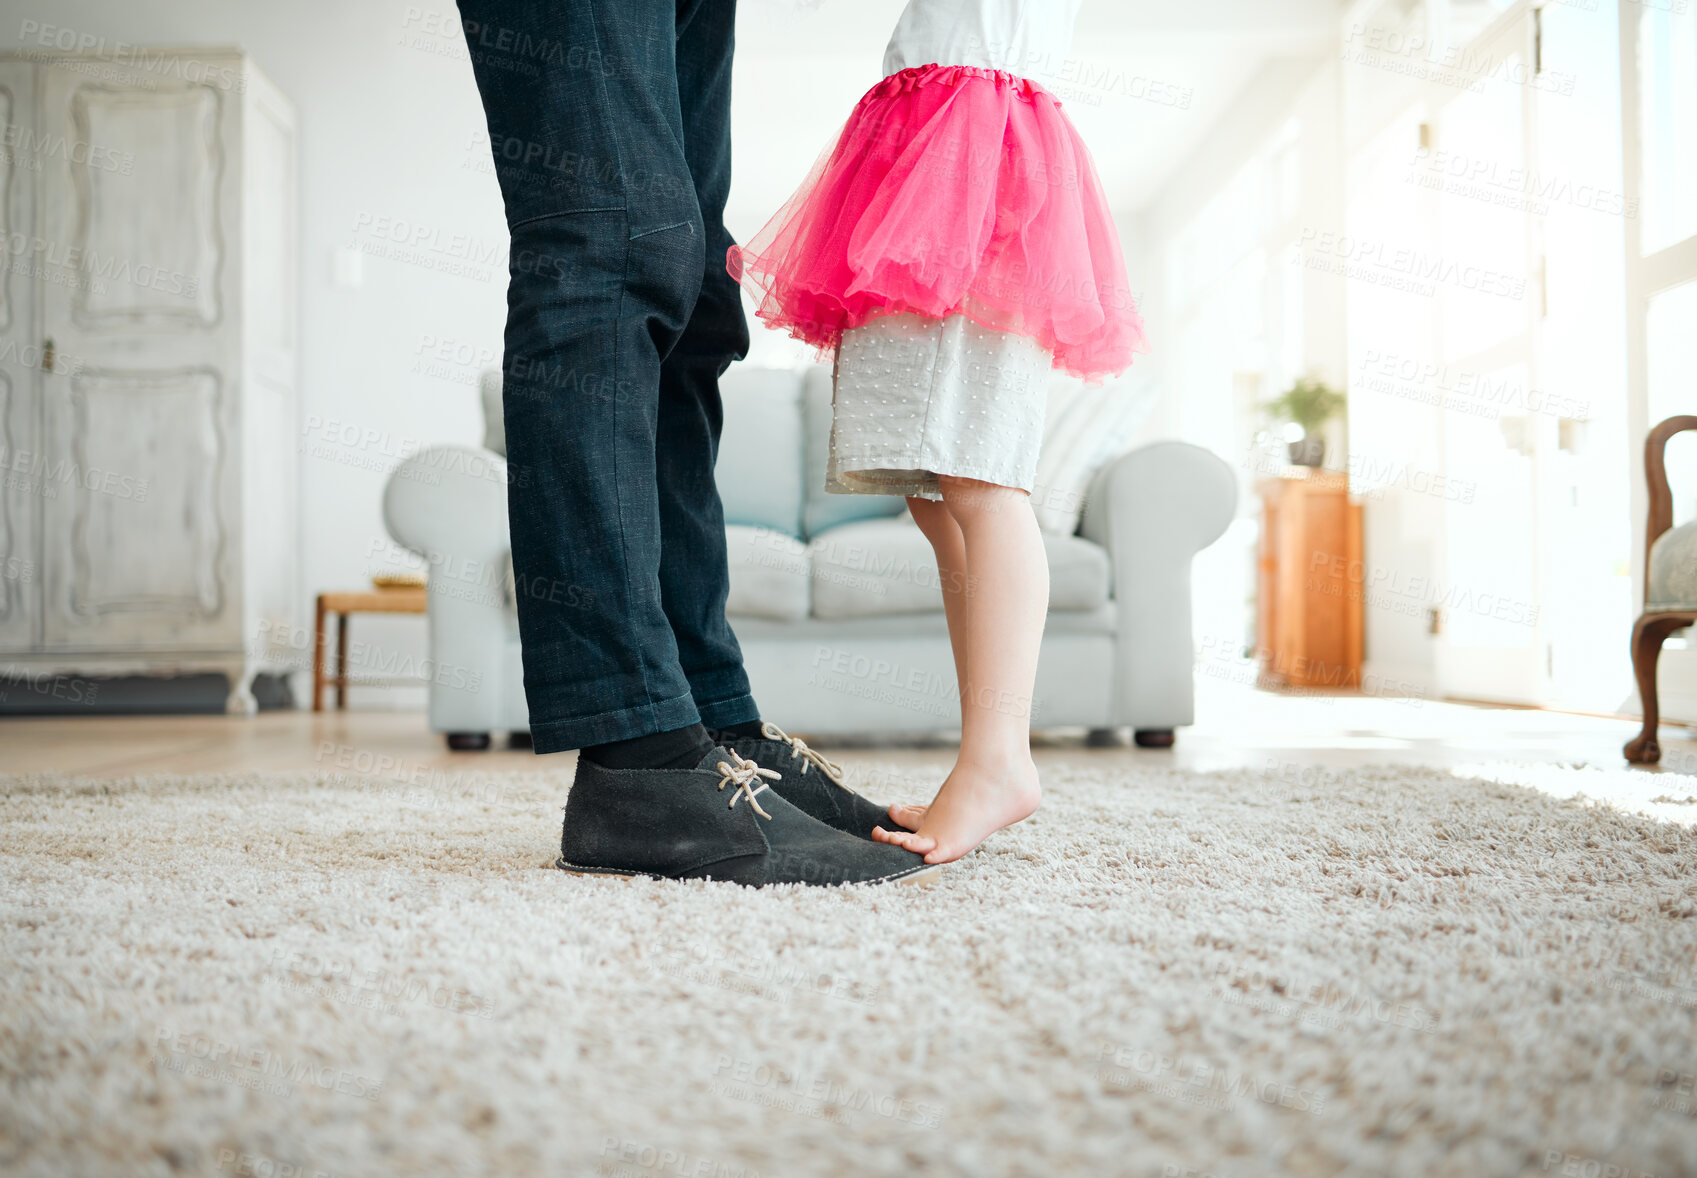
<point>1310,583</point>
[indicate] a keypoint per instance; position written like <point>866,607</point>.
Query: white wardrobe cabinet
<point>147,366</point>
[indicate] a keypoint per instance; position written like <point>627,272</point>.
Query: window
<point>1667,90</point>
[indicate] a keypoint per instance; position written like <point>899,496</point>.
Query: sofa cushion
<point>1080,574</point>
<point>823,510</point>
<point>760,449</point>
<point>1085,427</point>
<point>769,574</point>
<point>873,568</point>
<point>1673,570</point>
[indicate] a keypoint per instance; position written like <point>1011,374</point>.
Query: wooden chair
<point>1670,584</point>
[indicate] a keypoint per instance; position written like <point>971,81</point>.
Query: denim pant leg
<point>606,262</point>
<point>693,576</point>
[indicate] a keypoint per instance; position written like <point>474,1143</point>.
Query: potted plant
<point>1306,407</point>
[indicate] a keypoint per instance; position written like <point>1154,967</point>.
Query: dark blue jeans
<point>609,122</point>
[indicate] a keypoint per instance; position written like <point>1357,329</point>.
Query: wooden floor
<point>1237,727</point>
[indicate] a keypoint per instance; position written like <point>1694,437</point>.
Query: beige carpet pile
<point>1165,974</point>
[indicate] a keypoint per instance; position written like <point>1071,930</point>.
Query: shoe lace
<point>746,776</point>
<point>808,756</point>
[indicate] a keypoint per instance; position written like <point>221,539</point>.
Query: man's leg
<point>693,576</point>
<point>608,255</point>
<point>607,260</point>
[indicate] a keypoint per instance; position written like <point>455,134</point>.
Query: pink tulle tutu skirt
<point>952,190</point>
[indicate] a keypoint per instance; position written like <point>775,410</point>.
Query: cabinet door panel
<point>147,234</point>
<point>145,552</point>
<point>20,362</point>
<point>141,431</point>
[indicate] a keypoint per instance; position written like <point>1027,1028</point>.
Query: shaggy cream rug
<point>1170,974</point>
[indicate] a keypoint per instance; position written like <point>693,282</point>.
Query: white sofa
<point>835,599</point>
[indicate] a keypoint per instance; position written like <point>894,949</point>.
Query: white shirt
<point>1029,38</point>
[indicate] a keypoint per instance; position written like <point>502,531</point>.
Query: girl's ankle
<point>1013,763</point>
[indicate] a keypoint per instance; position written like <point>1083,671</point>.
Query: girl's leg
<point>947,542</point>
<point>1006,597</point>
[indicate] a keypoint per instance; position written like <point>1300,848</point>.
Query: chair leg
<point>341,679</point>
<point>1648,634</point>
<point>319,638</point>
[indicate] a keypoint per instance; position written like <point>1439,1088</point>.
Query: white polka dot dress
<point>918,397</point>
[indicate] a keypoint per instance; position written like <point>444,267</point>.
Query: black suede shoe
<point>813,783</point>
<point>716,821</point>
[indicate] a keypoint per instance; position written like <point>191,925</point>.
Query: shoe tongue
<point>714,756</point>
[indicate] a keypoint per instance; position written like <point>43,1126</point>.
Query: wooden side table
<point>363,601</point>
<point>1310,583</point>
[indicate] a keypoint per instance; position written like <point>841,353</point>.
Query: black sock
<point>748,731</point>
<point>681,748</point>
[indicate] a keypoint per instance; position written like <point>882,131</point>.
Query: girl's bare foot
<point>973,804</point>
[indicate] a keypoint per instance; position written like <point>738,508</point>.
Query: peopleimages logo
<point>816,1095</point>
<point>1389,587</point>
<point>1402,267</point>
<point>371,987</point>
<point>1198,1081</point>
<point>1498,182</point>
<point>37,474</point>
<point>24,141</point>
<point>258,1165</point>
<point>44,257</point>
<point>1413,54</point>
<point>431,238</point>
<point>1482,394</point>
<point>629,1157</point>
<point>153,61</point>
<point>255,1068</point>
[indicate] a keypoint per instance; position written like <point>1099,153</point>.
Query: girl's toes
<point>908,816</point>
<point>905,839</point>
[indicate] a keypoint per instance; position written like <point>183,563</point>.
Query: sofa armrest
<point>449,505</point>
<point>449,499</point>
<point>1153,510</point>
